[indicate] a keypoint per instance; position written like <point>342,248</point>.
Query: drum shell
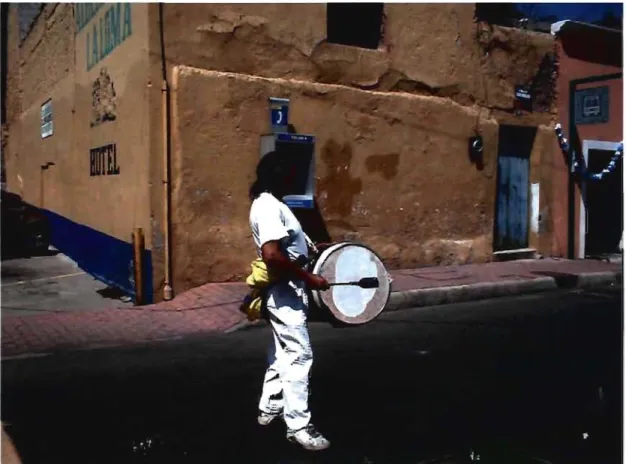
<point>373,308</point>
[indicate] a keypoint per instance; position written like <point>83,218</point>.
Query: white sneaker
<point>265,418</point>
<point>309,438</point>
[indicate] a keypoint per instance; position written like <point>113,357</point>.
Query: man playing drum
<point>283,246</point>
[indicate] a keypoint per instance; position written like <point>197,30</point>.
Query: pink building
<point>587,215</point>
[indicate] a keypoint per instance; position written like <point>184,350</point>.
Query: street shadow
<point>544,387</point>
<point>562,279</point>
<point>14,252</point>
<point>20,273</point>
<point>112,293</point>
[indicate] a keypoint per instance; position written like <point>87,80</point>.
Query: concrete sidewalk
<point>213,307</point>
<point>455,284</point>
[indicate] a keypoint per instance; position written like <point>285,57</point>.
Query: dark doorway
<point>604,200</point>
<point>515,144</point>
<point>356,24</point>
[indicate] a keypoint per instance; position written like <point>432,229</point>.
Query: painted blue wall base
<point>106,258</point>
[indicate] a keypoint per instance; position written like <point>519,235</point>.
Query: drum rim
<point>316,293</point>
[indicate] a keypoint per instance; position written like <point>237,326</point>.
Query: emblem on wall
<point>591,106</point>
<point>103,102</point>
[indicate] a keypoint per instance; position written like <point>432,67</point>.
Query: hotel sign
<point>103,161</point>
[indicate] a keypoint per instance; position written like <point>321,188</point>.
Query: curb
<point>471,292</point>
<point>483,290</point>
<point>597,279</point>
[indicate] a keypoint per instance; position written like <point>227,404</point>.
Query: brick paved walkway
<point>213,307</point>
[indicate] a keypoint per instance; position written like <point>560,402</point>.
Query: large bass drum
<point>350,262</point>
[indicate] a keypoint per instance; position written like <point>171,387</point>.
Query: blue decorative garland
<point>578,167</point>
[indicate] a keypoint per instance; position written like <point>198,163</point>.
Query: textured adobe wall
<point>428,49</point>
<point>381,154</point>
<point>155,170</point>
<point>13,105</point>
<point>393,171</point>
<point>39,68</point>
<point>47,54</point>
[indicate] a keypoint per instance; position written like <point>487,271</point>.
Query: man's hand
<point>277,261</point>
<point>316,282</point>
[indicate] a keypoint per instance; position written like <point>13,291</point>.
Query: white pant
<point>286,384</point>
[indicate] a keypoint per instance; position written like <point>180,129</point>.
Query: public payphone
<point>300,149</point>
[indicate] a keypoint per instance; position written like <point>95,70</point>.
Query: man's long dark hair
<point>270,173</point>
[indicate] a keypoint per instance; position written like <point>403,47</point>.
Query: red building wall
<point>583,53</point>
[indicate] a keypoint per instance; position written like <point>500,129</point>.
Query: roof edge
<point>561,26</point>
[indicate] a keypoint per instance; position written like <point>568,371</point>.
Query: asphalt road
<point>532,379</point>
<point>32,285</point>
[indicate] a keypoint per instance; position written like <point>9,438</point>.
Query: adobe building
<point>126,116</point>
<point>588,215</point>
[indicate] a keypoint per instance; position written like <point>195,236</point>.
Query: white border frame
<point>582,222</point>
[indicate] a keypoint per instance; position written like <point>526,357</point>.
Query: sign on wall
<point>47,127</point>
<point>523,98</point>
<point>103,161</point>
<point>592,105</point>
<point>279,114</point>
<point>106,33</point>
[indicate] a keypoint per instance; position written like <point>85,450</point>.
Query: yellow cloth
<point>258,280</point>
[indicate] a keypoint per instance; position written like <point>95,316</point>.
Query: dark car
<point>25,229</point>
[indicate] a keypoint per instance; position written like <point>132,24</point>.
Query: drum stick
<point>365,282</point>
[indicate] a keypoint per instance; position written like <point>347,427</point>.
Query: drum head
<point>349,262</point>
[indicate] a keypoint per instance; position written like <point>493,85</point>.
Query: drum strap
<point>310,243</point>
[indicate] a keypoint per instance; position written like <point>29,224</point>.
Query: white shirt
<point>271,219</point>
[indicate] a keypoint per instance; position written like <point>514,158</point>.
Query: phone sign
<point>279,114</point>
